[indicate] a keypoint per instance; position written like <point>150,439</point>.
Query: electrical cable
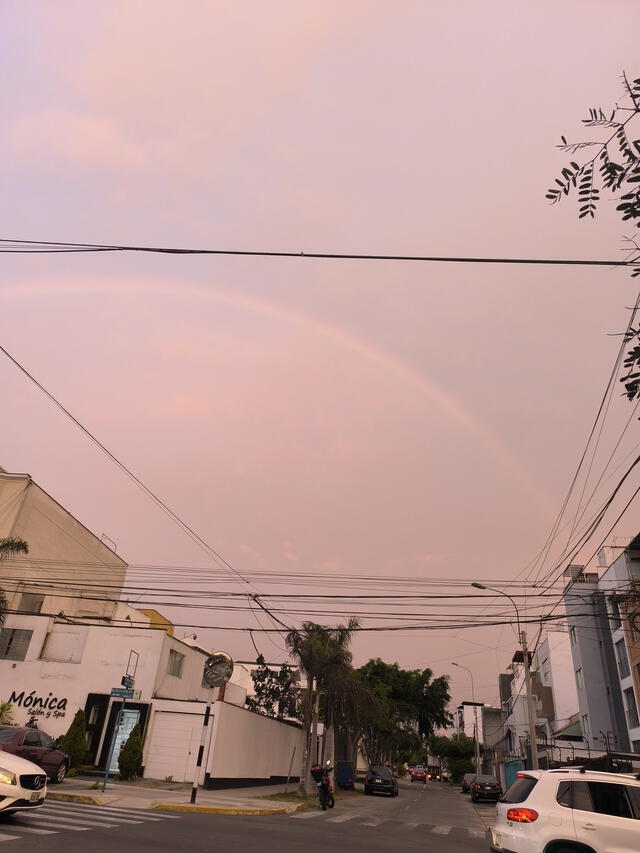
<point>44,246</point>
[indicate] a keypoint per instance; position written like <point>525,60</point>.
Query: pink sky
<point>319,417</point>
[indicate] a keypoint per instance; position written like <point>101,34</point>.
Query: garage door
<point>172,746</point>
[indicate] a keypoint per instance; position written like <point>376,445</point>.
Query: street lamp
<point>527,674</point>
<point>475,714</point>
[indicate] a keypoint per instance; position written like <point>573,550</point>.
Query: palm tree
<point>323,655</point>
<point>9,545</point>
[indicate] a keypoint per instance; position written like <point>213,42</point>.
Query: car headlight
<point>7,777</point>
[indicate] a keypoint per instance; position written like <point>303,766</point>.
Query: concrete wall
<point>67,662</point>
<point>554,663</point>
<point>250,749</point>
<point>64,557</point>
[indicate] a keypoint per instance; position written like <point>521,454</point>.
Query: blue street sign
<point>122,692</point>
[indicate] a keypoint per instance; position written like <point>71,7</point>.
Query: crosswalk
<point>405,826</point>
<point>55,817</point>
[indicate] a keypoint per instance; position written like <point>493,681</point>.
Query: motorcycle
<point>322,781</point>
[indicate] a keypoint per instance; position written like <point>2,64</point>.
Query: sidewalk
<point>175,797</point>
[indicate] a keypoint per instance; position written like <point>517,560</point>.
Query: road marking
<point>139,813</point>
<point>373,822</point>
<point>409,825</point>
<point>476,833</point>
<point>72,823</point>
<point>33,831</point>
<point>441,830</point>
<point>81,813</point>
<point>4,837</point>
<point>306,815</point>
<point>341,818</point>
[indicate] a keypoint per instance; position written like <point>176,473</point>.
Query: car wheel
<point>60,773</point>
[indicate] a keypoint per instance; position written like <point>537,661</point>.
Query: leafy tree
<point>9,545</point>
<point>324,657</point>
<point>276,694</point>
<point>130,757</point>
<point>614,168</point>
<point>403,701</point>
<point>74,742</point>
<point>6,714</point>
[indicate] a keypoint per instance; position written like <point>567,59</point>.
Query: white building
<point>68,640</point>
<point>600,651</point>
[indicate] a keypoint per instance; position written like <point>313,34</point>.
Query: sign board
<point>127,681</point>
<point>122,692</point>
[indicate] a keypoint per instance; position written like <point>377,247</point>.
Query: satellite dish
<point>217,669</point>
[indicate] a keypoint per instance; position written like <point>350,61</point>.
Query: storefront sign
<point>39,706</point>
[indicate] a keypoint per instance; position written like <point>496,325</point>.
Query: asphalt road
<point>431,816</point>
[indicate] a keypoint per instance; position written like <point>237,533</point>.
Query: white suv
<point>569,810</point>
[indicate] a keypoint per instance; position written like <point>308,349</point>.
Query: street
<point>369,823</point>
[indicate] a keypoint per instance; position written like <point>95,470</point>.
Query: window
<point>610,798</point>
<point>174,667</point>
<point>630,705</point>
<point>633,631</point>
<point>579,678</point>
<point>519,790</point>
<point>572,636</point>
<point>32,739</point>
<point>563,796</point>
<point>616,621</point>
<point>623,660</point>
<point>586,731</point>
<point>635,745</point>
<point>31,602</point>
<point>14,643</point>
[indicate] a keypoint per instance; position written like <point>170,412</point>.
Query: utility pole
<point>522,637</point>
<point>530,709</point>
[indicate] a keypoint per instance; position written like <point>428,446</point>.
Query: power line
<point>45,246</point>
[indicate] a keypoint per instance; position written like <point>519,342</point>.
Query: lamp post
<point>527,674</point>
<point>475,715</point>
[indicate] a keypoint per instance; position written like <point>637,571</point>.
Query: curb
<point>86,799</point>
<point>217,809</point>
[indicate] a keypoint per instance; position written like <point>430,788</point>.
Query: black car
<point>380,779</point>
<point>467,779</point>
<point>485,788</point>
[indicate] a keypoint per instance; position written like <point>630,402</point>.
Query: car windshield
<point>485,780</point>
<point>7,735</point>
<point>380,771</point>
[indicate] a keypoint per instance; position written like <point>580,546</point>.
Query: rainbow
<point>447,403</point>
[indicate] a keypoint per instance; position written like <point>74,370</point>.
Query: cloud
<point>81,138</point>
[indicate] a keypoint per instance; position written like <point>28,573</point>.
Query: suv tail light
<point>522,815</point>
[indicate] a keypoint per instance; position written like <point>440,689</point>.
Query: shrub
<point>130,757</point>
<point>458,767</point>
<point>74,742</point>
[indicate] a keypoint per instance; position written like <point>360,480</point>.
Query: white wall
<point>251,746</point>
<point>82,660</point>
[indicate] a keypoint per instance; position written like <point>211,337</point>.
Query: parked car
<point>485,788</point>
<point>36,746</point>
<point>466,782</point>
<point>569,809</point>
<point>23,785</point>
<point>380,779</point>
<point>418,774</point>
